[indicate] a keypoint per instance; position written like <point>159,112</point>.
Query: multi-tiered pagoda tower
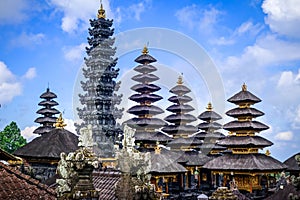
<point>245,166</point>
<point>209,134</point>
<point>146,125</point>
<point>179,121</point>
<point>99,99</point>
<point>48,113</point>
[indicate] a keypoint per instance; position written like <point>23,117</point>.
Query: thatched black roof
<point>245,162</point>
<point>283,194</point>
<point>292,164</point>
<point>239,112</point>
<point>181,108</point>
<point>194,158</point>
<point>138,123</point>
<point>180,129</point>
<point>154,137</point>
<point>244,96</point>
<point>143,78</point>
<point>145,109</point>
<point>180,118</point>
<point>209,125</point>
<point>209,135</point>
<point>180,99</point>
<point>180,90</point>
<point>50,145</point>
<point>209,115</point>
<point>145,98</point>
<point>245,141</point>
<point>245,125</point>
<point>145,88</point>
<point>145,69</point>
<point>185,141</point>
<point>48,95</point>
<point>164,164</point>
<point>145,58</point>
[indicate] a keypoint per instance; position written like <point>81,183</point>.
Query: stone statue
<point>86,137</point>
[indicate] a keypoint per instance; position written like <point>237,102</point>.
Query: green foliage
<point>11,138</point>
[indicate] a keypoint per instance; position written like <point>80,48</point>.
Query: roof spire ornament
<point>209,106</point>
<point>60,122</point>
<point>244,87</point>
<point>145,50</point>
<point>157,148</point>
<point>180,81</point>
<point>101,12</point>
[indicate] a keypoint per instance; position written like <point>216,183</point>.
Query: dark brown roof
<point>44,111</point>
<point>185,141</point>
<point>238,112</point>
<point>146,88</point>
<point>209,125</point>
<point>245,125</point>
<point>243,97</point>
<point>138,123</point>
<point>180,118</point>
<point>247,141</point>
<point>145,97</point>
<point>291,163</point>
<point>180,99</point>
<point>180,129</point>
<point>145,109</point>
<point>143,78</point>
<point>7,156</point>
<point>245,162</point>
<point>105,182</point>
<point>162,163</point>
<point>210,146</point>
<point>145,58</point>
<point>145,69</point>
<point>48,95</point>
<point>16,185</point>
<point>209,115</point>
<point>204,135</point>
<point>156,136</point>
<point>48,103</point>
<point>195,158</point>
<point>181,108</point>
<point>180,90</point>
<point>50,145</point>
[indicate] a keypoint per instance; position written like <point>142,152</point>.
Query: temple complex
<point>48,113</point>
<point>146,125</point>
<point>243,165</point>
<point>99,99</point>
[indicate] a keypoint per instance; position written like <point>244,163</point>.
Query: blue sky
<point>253,41</point>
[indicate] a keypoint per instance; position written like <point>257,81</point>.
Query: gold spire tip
<point>145,50</point>
<point>180,81</point>
<point>268,153</point>
<point>101,12</point>
<point>157,148</point>
<point>60,122</point>
<point>209,107</point>
<point>244,87</point>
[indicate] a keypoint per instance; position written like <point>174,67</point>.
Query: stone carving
<point>86,137</point>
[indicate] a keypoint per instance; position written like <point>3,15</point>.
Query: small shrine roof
<point>43,129</point>
<point>16,185</point>
<point>145,58</point>
<point>180,118</point>
<point>209,125</point>
<point>138,123</point>
<point>292,164</point>
<point>48,103</point>
<point>195,158</point>
<point>245,162</point>
<point>180,108</point>
<point>44,111</point>
<point>180,90</point>
<point>247,141</point>
<point>209,115</point>
<point>45,120</point>
<point>180,129</point>
<point>154,137</point>
<point>244,96</point>
<point>185,141</point>
<point>50,145</point>
<point>203,135</point>
<point>145,109</point>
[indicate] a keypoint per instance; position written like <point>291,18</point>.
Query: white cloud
<point>204,20</point>
<point>286,136</point>
<point>78,12</point>
<point>137,10</point>
<point>70,125</point>
<point>28,134</point>
<point>248,27</point>
<point>30,74</point>
<point>28,40</point>
<point>12,11</point>
<point>9,86</point>
<point>283,17</point>
<point>74,53</point>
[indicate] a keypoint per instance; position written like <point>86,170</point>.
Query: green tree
<point>11,138</point>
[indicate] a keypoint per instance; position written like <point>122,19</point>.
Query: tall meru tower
<point>99,99</point>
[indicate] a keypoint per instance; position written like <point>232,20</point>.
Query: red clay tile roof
<point>105,183</point>
<point>15,185</point>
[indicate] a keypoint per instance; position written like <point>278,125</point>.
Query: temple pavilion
<point>147,126</point>
<point>243,165</point>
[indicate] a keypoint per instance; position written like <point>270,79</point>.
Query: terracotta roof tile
<point>105,182</point>
<point>16,185</point>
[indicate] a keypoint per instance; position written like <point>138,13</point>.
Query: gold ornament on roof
<point>157,149</point>
<point>60,122</point>
<point>244,87</point>
<point>180,81</point>
<point>145,50</point>
<point>101,12</point>
<point>268,153</point>
<point>209,107</point>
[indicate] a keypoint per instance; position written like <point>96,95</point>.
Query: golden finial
<point>268,153</point>
<point>157,148</point>
<point>145,50</point>
<point>180,82</point>
<point>60,122</point>
<point>209,107</point>
<point>101,12</point>
<point>244,87</point>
